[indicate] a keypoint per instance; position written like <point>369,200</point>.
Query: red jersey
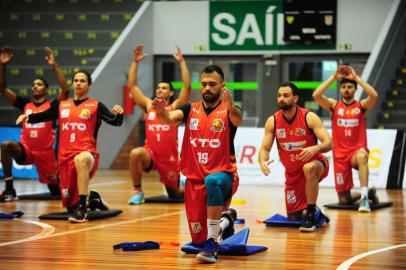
<point>161,138</point>
<point>39,136</point>
<point>348,128</point>
<point>291,137</point>
<point>207,143</point>
<point>77,128</point>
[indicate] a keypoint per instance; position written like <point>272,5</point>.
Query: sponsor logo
<point>36,125</point>
<point>74,126</point>
<point>201,142</point>
<point>356,111</point>
<point>223,111</point>
<point>151,116</point>
<point>339,179</point>
<point>171,175</point>
<point>84,114</point>
<point>300,132</point>
<point>340,111</point>
<point>347,122</point>
<point>217,125</point>
<point>65,193</point>
<point>290,196</point>
<point>195,110</point>
<point>280,133</point>
<point>65,113</point>
<point>90,105</point>
<point>293,146</point>
<point>66,104</point>
<point>196,227</point>
<point>28,111</point>
<point>33,133</point>
<point>158,127</point>
<point>194,123</point>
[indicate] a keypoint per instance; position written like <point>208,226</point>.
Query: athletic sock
<point>311,208</point>
<point>213,228</point>
<point>224,222</point>
<point>138,188</point>
<point>364,192</point>
<point>9,182</point>
<point>82,200</point>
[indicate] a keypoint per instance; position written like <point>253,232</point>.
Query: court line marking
<point>44,235</point>
<point>345,265</point>
<point>46,231</point>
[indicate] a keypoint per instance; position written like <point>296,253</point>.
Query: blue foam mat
<point>235,245</point>
<point>11,215</point>
<point>278,220</point>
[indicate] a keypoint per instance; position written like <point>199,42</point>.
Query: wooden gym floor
<point>352,240</point>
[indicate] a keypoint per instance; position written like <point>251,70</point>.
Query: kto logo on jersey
<point>158,127</point>
<point>217,125</point>
<point>84,114</point>
<point>74,126</point>
<point>194,123</point>
<point>280,133</point>
<point>201,142</point>
<point>290,196</point>
<point>65,113</point>
<point>196,227</point>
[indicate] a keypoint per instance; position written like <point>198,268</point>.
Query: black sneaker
<point>231,215</point>
<point>209,252</point>
<point>309,224</point>
<point>54,190</point>
<point>372,196</point>
<point>80,215</point>
<point>9,195</point>
<point>96,202</point>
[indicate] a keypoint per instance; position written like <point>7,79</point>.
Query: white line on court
<point>108,183</point>
<point>46,231</point>
<point>345,265</point>
<point>43,236</point>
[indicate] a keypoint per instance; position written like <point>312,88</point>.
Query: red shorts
<point>168,169</point>
<point>196,207</point>
<point>68,180</point>
<point>295,189</point>
<point>45,163</point>
<point>343,172</point>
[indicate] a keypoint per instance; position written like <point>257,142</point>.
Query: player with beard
<point>208,160</point>
<point>36,141</point>
<point>161,146</point>
<point>349,134</point>
<point>297,132</point>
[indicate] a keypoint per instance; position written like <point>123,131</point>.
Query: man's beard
<point>285,107</point>
<point>212,98</point>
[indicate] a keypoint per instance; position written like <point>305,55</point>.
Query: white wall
<point>187,23</point>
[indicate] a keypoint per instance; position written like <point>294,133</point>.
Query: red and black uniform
<point>349,135</point>
<point>37,141</point>
<point>208,147</point>
<point>79,122</point>
<point>291,136</point>
<point>162,143</point>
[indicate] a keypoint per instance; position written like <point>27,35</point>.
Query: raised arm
<point>139,98</point>
<point>368,102</point>
<point>325,145</point>
<point>266,146</point>
<point>318,94</point>
<point>234,112</point>
<point>50,58</point>
<point>5,58</point>
<point>174,117</point>
<point>184,95</point>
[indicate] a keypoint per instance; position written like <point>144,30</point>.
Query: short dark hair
<point>295,90</point>
<point>89,77</point>
<point>212,69</point>
<point>43,80</point>
<point>345,80</point>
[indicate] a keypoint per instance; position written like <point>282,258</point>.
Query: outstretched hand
<point>49,56</point>
<point>21,118</point>
<point>265,167</point>
<point>117,109</point>
<point>158,105</point>
<point>178,55</point>
<point>138,54</point>
<point>5,55</point>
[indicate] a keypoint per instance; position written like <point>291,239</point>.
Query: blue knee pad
<point>218,186</point>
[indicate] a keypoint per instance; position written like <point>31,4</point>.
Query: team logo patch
<point>84,114</point>
<point>151,116</point>
<point>356,111</point>
<point>300,132</point>
<point>65,113</point>
<point>217,125</point>
<point>196,227</point>
<point>328,19</point>
<point>290,196</point>
<point>194,123</point>
<point>171,175</point>
<point>280,133</point>
<point>339,179</point>
<point>340,111</point>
